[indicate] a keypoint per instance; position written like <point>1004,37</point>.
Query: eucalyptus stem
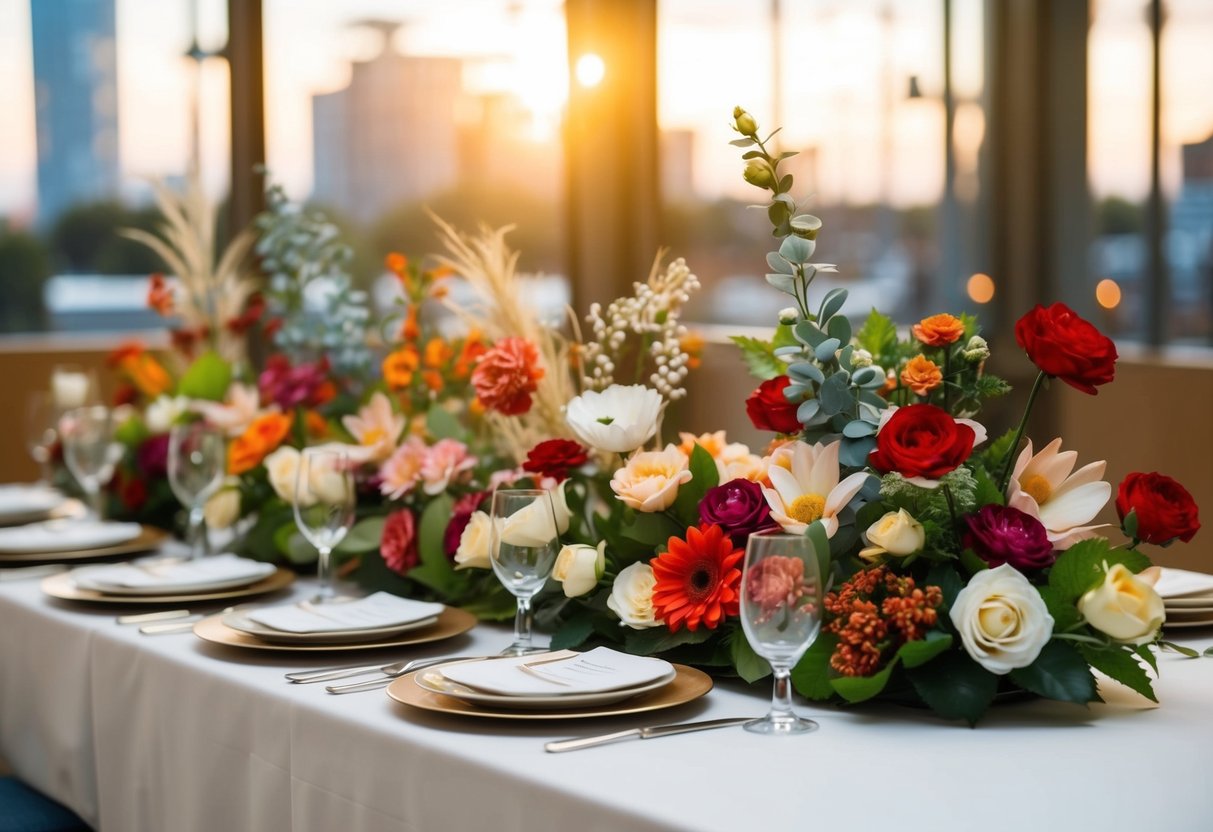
<point>1023,424</point>
<point>947,371</point>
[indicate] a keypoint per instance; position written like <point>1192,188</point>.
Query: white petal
<point>785,484</point>
<point>1075,507</point>
<point>844,492</point>
<point>1083,476</point>
<point>1021,462</point>
<point>802,465</point>
<point>830,524</point>
<point>824,477</point>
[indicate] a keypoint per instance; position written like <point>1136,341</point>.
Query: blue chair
<point>24,810</point>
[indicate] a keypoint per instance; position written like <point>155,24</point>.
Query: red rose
<point>921,440</point>
<point>399,542</point>
<point>555,458</point>
<point>769,409</point>
<point>1064,345</point>
<point>1165,510</point>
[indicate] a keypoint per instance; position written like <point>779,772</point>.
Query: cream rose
<point>650,480</point>
<point>1124,606</point>
<point>473,551</point>
<point>164,412</point>
<point>578,568</point>
<point>632,597</point>
<point>222,509</point>
<point>532,526</point>
<point>1002,620</point>
<point>897,534</point>
<point>326,482</point>
<point>281,467</point>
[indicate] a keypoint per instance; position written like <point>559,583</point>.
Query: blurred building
<point>76,102</point>
<point>497,146</point>
<point>389,136</point>
<point>677,165</point>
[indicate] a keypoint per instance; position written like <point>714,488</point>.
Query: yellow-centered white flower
<point>650,479</point>
<point>897,534</point>
<point>632,597</point>
<point>1043,486</point>
<point>578,567</point>
<point>376,426</point>
<point>1002,620</point>
<point>1124,606</point>
<point>810,491</point>
<point>618,419</point>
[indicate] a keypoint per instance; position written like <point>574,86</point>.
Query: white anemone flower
<point>810,490</point>
<point>618,419</point>
<point>1043,486</point>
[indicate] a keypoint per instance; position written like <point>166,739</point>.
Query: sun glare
<point>590,70</point>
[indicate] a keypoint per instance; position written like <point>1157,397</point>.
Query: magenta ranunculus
<point>152,456</point>
<point>461,515</point>
<point>738,507</point>
<point>1001,534</point>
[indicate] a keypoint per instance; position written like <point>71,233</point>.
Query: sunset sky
<point>845,70</point>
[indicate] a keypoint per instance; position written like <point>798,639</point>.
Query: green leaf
<point>759,357</point>
<point>784,337</point>
<point>811,676</point>
<point>364,537</point>
<point>443,425</point>
<point>878,335</point>
<point>834,395</point>
<point>294,546</point>
<point>777,264</point>
<point>995,454</point>
<point>945,576</point>
<point>830,305</point>
<point>434,520</point>
<point>826,349</point>
<point>1119,664</point>
<point>207,378</point>
<point>1065,615</point>
<point>1148,656</point>
<point>750,666</point>
<point>917,653</point>
<point>742,142</point>
<point>652,529</point>
<point>704,475</point>
<point>1081,567</point>
<point>839,327</point>
<point>987,492</point>
<point>796,249</point>
<point>574,632</point>
<point>955,686</point>
<point>816,533</point>
<point>1059,672</point>
<point>862,688</point>
<point>659,639</point>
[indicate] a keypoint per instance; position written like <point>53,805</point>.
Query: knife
<point>649,733</point>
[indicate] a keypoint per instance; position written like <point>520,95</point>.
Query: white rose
<point>632,597</point>
<point>578,567</point>
<point>618,419</point>
<point>1002,620</point>
<point>164,412</point>
<point>532,526</point>
<point>473,551</point>
<point>326,482</point>
<point>281,467</point>
<point>651,479</point>
<point>222,509</point>
<point>897,533</point>
<point>1124,607</point>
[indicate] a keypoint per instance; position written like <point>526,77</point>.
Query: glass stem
<point>522,623</point>
<point>781,695</point>
<point>324,572</point>
<point>96,502</point>
<point>198,540</point>
<point>44,464</point>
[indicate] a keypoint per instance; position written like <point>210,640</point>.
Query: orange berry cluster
<point>870,627</point>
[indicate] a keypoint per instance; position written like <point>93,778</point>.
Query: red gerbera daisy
<point>697,579</point>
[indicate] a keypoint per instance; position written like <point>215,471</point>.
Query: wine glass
<point>196,461</point>
<point>324,507</point>
<point>73,385</point>
<point>781,596</point>
<point>90,452</point>
<point>523,544</point>
<point>41,434</point>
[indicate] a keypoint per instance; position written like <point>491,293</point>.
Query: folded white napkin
<point>176,574</point>
<point>370,613</point>
<point>1174,583</point>
<point>66,536</point>
<point>601,669</point>
<point>21,499</point>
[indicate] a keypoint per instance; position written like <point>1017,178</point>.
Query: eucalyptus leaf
<point>364,537</point>
<point>832,302</point>
<point>839,327</point>
<point>807,410</point>
<point>826,349</point>
<point>854,452</point>
<point>796,249</point>
<point>785,283</point>
<point>807,333</point>
<point>858,428</point>
<point>778,264</point>
<point>806,371</point>
<point>834,394</point>
<point>864,375</point>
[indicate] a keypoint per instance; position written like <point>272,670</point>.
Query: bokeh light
<point>1107,293</point>
<point>590,70</point>
<point>981,288</point>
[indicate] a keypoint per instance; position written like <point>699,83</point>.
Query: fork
<point>394,671</point>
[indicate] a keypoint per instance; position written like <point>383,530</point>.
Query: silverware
<point>649,733</point>
<point>396,670</point>
<point>329,674</point>
<point>183,625</point>
<point>149,617</point>
<point>25,572</point>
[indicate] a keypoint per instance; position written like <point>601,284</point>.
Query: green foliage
<point>1059,672</point>
<point>955,686</point>
<point>441,424</point>
<point>704,475</point>
<point>86,239</point>
<point>207,378</point>
<point>878,335</point>
<point>660,639</point>
<point>811,676</point>
<point>574,632</point>
<point>363,537</point>
<point>749,665</point>
<point>1120,663</point>
<point>25,267</point>
<point>1081,567</point>
<point>434,569</point>
<point>995,454</point>
<point>759,357</point>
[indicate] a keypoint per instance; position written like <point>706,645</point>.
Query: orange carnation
<point>399,366</point>
<point>317,425</point>
<point>939,330</point>
<point>160,296</point>
<point>437,353</point>
<point>264,435</point>
<point>921,375</point>
<point>507,375</point>
<point>147,374</point>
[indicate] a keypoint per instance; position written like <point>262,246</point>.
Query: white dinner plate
<point>1198,622</point>
<point>27,503</point>
<point>433,681</point>
<point>1191,602</point>
<point>65,536</point>
<point>239,620</point>
<point>81,577</point>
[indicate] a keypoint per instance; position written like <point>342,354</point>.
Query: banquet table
<point>167,732</point>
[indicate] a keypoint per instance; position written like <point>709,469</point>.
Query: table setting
<point>329,548</point>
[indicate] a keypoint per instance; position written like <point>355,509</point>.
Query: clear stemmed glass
<point>196,458</point>
<point>41,434</point>
<point>523,545</point>
<point>781,596</point>
<point>90,452</point>
<point>324,507</point>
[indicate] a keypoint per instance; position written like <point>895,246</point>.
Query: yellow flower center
<point>1038,488</point>
<point>807,508</point>
<point>372,436</point>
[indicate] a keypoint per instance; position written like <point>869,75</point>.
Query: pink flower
<point>236,413</point>
<point>775,581</point>
<point>446,461</point>
<point>506,476</point>
<point>401,473</point>
<point>399,543</point>
<point>376,426</point>
<point>507,375</point>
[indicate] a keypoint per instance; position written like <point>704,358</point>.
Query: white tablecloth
<point>169,733</point>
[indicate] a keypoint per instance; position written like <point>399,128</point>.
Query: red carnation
<point>1164,508</point>
<point>555,458</point>
<point>769,409</point>
<point>1064,345</point>
<point>921,440</point>
<point>399,543</point>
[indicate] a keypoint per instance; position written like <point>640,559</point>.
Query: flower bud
<point>743,122</point>
<point>976,351</point>
<point>758,173</point>
<point>790,315</point>
<point>861,358</point>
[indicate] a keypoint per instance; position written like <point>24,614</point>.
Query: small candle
<point>69,388</point>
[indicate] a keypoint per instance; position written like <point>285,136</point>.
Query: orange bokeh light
<point>981,288</point>
<point>1107,293</point>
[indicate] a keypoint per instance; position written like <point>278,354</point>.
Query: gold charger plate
<point>149,538</point>
<point>688,685</point>
<point>451,622</point>
<point>62,587</point>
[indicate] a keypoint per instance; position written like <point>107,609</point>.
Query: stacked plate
<point>559,685</point>
<point>1187,597</point>
<point>168,580</point>
<point>75,539</point>
<point>27,503</point>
